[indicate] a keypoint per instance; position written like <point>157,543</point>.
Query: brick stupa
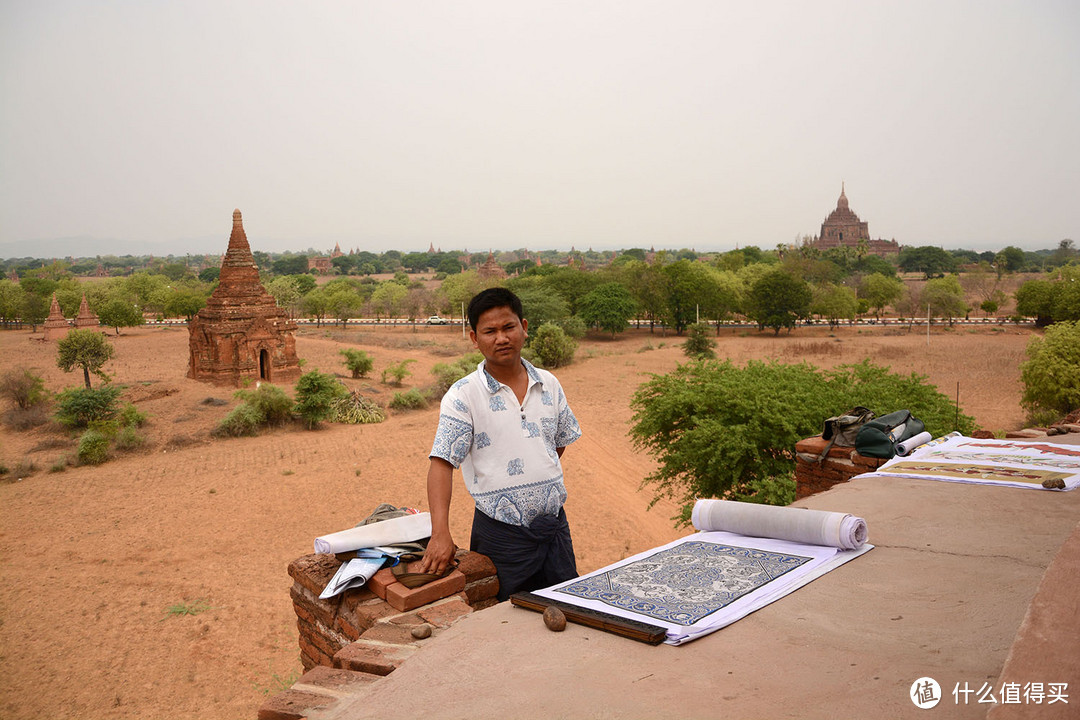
<point>56,325</point>
<point>86,319</point>
<point>242,333</point>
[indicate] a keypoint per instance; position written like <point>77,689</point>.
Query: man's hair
<point>495,297</point>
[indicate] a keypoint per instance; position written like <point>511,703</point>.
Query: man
<point>506,426</point>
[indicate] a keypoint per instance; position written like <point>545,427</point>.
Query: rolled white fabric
<point>813,527</point>
<point>906,447</point>
<point>387,532</point>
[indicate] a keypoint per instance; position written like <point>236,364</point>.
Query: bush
<point>573,326</point>
<point>355,409</point>
<point>1051,374</point>
<point>129,439</point>
<point>93,448</point>
<point>699,343</point>
<point>23,388</point>
<point>131,417</point>
<point>411,399</point>
<point>316,393</point>
<point>241,420</point>
<point>717,430</point>
<point>358,362</point>
<point>398,372</point>
<point>551,346</point>
<point>78,407</point>
<point>446,374</point>
<point>26,419</point>
<point>270,401</point>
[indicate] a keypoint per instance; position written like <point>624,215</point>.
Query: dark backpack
<point>878,437</point>
<point>842,429</point>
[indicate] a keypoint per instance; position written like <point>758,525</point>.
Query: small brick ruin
<point>56,325</point>
<point>242,334</point>
<point>85,318</point>
<point>351,640</point>
<point>841,464</point>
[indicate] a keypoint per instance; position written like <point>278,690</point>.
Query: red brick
<point>374,658</point>
<point>482,589</point>
<point>816,446</point>
<point>321,609</point>
<point>405,599</point>
<point>344,625</point>
<point>366,614</point>
<point>315,635</point>
<point>302,612</point>
<point>391,633</point>
<point>866,462</point>
<point>293,705</point>
<point>314,654</point>
<point>314,571</point>
<point>335,680</point>
<point>405,619</point>
<point>445,613</point>
<point>380,581</point>
<point>484,604</point>
<point>351,598</point>
<point>475,566</point>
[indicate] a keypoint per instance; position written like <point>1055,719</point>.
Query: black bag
<point>842,429</point>
<point>878,437</point>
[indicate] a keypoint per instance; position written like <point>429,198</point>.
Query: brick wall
<point>842,464</point>
<point>350,640</point>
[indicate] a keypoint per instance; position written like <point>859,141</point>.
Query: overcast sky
<point>502,124</point>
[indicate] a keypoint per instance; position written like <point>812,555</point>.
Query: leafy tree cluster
<point>1051,374</point>
<point>716,429</point>
<point>1051,300</point>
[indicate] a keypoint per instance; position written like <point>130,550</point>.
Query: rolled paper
<point>813,527</point>
<point>387,532</point>
<point>912,443</point>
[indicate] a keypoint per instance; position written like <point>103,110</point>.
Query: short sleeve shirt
<point>506,450</point>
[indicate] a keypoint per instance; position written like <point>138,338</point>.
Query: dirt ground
<point>155,585</point>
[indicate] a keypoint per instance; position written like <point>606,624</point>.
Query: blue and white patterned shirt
<point>506,451</point>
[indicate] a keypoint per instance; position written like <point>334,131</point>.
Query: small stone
<point>554,619</point>
<point>421,631</point>
<point>1054,484</point>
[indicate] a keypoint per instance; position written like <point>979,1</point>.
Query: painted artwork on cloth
<point>685,583</point>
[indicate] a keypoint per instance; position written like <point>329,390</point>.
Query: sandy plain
<point>155,585</point>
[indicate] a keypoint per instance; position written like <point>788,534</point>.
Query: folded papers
<point>746,557</point>
<point>386,532</point>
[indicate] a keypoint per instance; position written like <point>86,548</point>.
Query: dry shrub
<point>19,419</point>
<point>177,442</point>
<point>52,443</point>
<point>821,347</point>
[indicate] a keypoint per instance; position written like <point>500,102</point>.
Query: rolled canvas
<point>812,527</point>
<point>387,532</point>
<point>906,447</point>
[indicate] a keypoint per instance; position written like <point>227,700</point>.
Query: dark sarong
<point>526,558</point>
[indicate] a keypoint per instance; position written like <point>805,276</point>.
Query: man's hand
<point>440,551</point>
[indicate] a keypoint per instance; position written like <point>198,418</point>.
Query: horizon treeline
<point>775,288</point>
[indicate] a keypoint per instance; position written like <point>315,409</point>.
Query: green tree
<point>87,349</point>
<point>290,265</point>
<point>1035,298</point>
<point>316,394</point>
<point>118,312</point>
<point>1010,260</point>
<point>929,260</point>
<point>552,347</point>
<point>286,292</point>
<point>1051,374</point>
<point>210,274</point>
<point>834,303</point>
<point>609,306</point>
<point>698,344</point>
<point>387,298</point>
<point>879,291</point>
<point>358,362</point>
<point>714,428</point>
<point>184,302</point>
<point>317,304</point>
<point>945,297</point>
<point>11,301</point>
<point>778,300</point>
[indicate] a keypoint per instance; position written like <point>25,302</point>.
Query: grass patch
<point>278,683</point>
<point>192,608</point>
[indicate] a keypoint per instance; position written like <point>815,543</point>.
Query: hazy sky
<point>503,124</point>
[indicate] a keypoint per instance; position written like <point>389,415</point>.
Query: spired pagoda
<point>242,333</point>
<point>86,319</point>
<point>56,325</point>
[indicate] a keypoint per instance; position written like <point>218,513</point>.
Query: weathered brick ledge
<point>349,641</point>
<point>842,464</point>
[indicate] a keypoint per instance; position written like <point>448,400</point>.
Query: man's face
<point>499,336</point>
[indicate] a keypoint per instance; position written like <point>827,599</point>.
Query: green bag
<point>878,437</point>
